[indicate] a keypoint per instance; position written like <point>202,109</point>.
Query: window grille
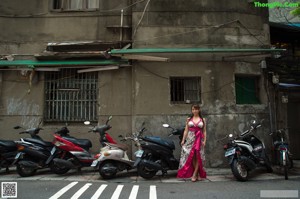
<point>247,89</point>
<point>184,89</point>
<point>70,96</point>
<point>75,4</point>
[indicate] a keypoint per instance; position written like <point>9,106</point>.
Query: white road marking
<point>134,192</point>
<point>81,190</point>
<point>152,192</point>
<point>63,190</point>
<point>99,191</point>
<point>117,192</point>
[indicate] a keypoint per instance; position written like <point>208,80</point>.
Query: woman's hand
<point>203,144</point>
<point>182,142</point>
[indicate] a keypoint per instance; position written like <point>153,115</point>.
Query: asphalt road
<point>37,189</point>
<point>88,184</point>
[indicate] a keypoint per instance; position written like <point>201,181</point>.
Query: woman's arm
<point>185,132</point>
<point>204,133</point>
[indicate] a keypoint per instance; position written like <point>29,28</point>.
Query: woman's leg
<point>196,168</point>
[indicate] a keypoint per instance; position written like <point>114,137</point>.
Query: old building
<point>140,61</point>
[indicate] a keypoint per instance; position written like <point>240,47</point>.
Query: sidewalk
<point>213,175</point>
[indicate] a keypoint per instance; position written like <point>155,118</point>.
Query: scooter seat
<point>155,139</point>
<point>84,143</point>
<point>121,146</point>
<point>40,142</point>
<point>8,145</point>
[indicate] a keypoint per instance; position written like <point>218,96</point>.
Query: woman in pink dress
<point>193,143</point>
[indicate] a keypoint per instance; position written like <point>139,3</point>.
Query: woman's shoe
<point>194,179</point>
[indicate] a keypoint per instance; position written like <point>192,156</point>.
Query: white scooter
<point>114,158</point>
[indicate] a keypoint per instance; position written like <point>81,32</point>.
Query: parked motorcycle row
<point>245,152</point>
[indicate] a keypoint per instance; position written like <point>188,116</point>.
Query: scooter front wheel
<point>239,170</point>
<point>146,172</point>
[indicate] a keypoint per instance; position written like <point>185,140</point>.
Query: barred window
<point>74,5</point>
<point>70,96</point>
<point>185,89</point>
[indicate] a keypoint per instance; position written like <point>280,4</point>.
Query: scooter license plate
<point>17,156</point>
<point>53,150</point>
<point>139,153</point>
<point>95,162</point>
<point>230,152</point>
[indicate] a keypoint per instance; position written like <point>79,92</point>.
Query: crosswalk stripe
<point>99,191</point>
<point>152,193</point>
<point>63,190</point>
<point>81,190</point>
<point>117,192</point>
<point>134,192</point>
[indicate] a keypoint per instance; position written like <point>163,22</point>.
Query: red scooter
<point>71,153</point>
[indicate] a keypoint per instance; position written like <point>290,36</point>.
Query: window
<point>73,5</point>
<point>247,89</point>
<point>184,89</point>
<point>70,96</point>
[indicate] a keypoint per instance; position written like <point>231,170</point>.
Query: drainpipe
<point>121,26</point>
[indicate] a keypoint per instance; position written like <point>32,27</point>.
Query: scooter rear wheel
<point>146,172</point>
<point>24,171</point>
<point>58,170</point>
<point>108,170</point>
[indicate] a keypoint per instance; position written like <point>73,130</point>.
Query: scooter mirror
<point>87,123</point>
<point>110,117</point>
<point>230,135</point>
<point>166,125</point>
<point>120,136</point>
<point>17,127</point>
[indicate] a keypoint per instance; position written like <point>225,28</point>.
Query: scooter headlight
<point>58,144</point>
<point>106,153</point>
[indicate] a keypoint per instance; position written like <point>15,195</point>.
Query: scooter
<point>8,152</point>
<point>283,157</point>
<point>245,152</point>
<point>72,153</point>
<point>157,154</point>
<point>32,152</point>
<point>113,157</point>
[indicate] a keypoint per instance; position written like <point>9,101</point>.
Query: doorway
<point>293,114</point>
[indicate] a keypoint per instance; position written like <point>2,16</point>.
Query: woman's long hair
<point>197,107</point>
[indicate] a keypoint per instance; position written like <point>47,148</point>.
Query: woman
<point>193,141</point>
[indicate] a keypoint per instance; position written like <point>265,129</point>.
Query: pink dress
<point>192,147</point>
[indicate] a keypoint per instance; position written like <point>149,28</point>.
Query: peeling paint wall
<point>141,93</point>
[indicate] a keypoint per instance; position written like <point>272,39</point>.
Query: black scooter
<point>246,152</point>
<point>157,154</point>
<point>9,149</point>
<point>32,152</point>
<point>8,152</point>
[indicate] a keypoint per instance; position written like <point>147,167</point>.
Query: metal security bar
<point>185,89</point>
<point>70,96</point>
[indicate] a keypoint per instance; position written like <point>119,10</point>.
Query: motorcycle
<point>70,153</point>
<point>157,154</point>
<point>32,152</point>
<point>8,152</point>
<point>283,157</point>
<point>113,157</point>
<point>245,152</point>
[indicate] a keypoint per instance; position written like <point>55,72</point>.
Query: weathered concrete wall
<point>29,26</point>
<point>27,31</point>
<point>199,23</point>
<point>141,93</point>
